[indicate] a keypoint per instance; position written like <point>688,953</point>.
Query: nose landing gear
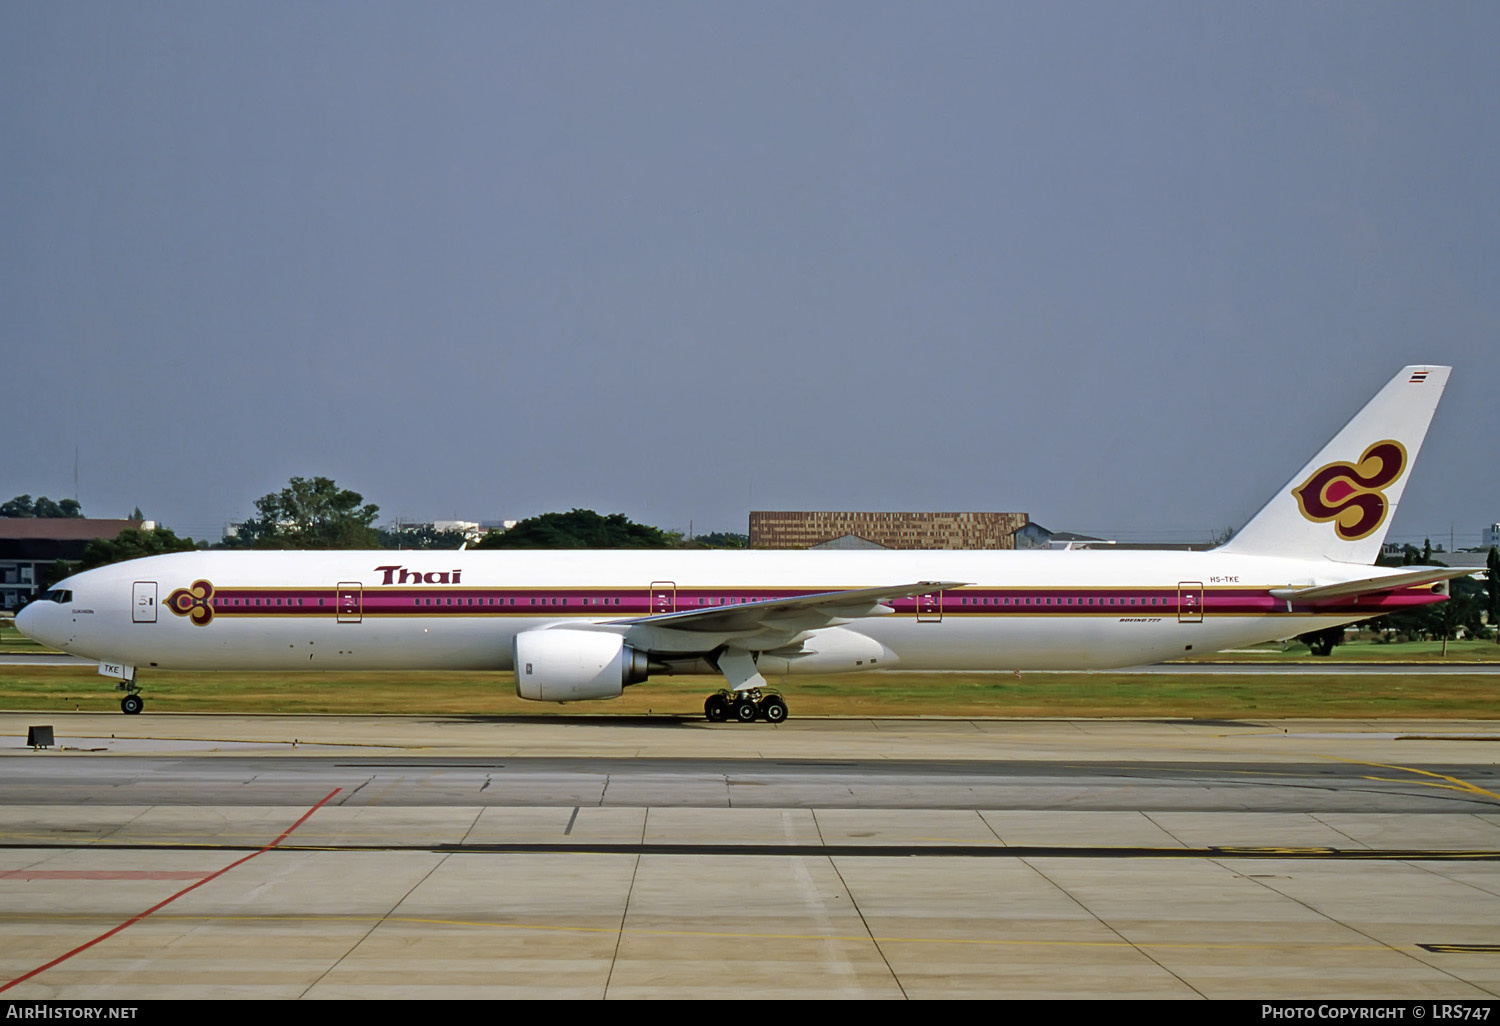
<point>132,703</point>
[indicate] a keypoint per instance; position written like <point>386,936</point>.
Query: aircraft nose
<point>26,621</point>
<point>34,621</point>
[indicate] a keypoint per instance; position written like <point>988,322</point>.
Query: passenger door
<point>663,597</point>
<point>349,601</point>
<point>930,607</point>
<point>143,602</point>
<point>1190,602</point>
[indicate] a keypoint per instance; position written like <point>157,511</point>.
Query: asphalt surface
<point>183,856</point>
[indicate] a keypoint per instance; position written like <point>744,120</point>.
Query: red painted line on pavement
<point>96,874</point>
<point>163,904</point>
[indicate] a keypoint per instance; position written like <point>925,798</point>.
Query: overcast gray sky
<point>1121,266</point>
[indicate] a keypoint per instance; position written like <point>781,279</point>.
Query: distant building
<point>786,529</point>
<point>29,545</point>
<point>1489,537</point>
<point>495,526</point>
<point>1073,540</point>
<point>1475,558</point>
<point>848,541</point>
<point>1034,536</point>
<point>472,530</point>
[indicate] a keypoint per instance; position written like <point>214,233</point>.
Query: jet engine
<point>571,666</point>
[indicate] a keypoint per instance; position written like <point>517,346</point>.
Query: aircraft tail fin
<point>1340,505</point>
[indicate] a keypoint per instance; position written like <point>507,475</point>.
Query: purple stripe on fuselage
<point>459,601</point>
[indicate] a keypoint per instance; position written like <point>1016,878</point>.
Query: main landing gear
<point>132,703</point>
<point>747,698</point>
<point>745,706</point>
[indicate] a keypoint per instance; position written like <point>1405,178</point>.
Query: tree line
<point>1469,604</point>
<point>316,513</point>
<point>24,506</point>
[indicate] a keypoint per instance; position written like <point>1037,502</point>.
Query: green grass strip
<point>1217,695</point>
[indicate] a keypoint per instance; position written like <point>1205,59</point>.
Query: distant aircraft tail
<point>1340,505</point>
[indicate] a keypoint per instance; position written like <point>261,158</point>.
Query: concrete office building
<point>786,529</point>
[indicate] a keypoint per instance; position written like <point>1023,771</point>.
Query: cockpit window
<point>59,595</point>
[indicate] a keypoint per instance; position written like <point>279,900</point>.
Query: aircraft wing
<point>766,624</point>
<point>1371,585</point>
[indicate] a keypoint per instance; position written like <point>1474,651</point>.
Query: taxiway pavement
<point>390,857</point>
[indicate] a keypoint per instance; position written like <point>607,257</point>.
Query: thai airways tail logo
<point>1352,495</point>
<point>196,602</point>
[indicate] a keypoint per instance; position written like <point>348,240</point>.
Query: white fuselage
<point>435,609</point>
<point>586,624</point>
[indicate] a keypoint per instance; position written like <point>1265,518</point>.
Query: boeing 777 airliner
<point>584,625</point>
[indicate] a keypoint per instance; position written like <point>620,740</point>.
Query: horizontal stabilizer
<point>1370,585</point>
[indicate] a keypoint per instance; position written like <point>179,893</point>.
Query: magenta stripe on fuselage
<point>461,601</point>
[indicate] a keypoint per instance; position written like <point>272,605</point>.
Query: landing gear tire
<point>131,705</point>
<point>745,706</point>
<point>716,709</point>
<point>773,709</point>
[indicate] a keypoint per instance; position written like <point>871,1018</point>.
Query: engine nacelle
<point>571,666</point>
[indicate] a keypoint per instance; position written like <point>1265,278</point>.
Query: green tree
<point>23,506</point>
<point>1464,608</point>
<point>1492,586</point>
<point>721,540</point>
<point>132,544</point>
<point>1409,624</point>
<point>579,529</point>
<point>1322,643</point>
<point>312,514</point>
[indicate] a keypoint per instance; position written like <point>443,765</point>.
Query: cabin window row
<point>262,603</point>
